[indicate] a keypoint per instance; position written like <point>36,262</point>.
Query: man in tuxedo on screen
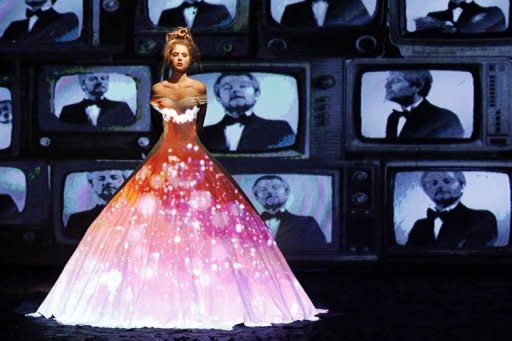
<point>241,129</point>
<point>43,24</point>
<point>196,14</point>
<point>95,109</point>
<point>463,16</point>
<point>416,117</point>
<point>325,13</point>
<point>450,224</point>
<point>104,184</point>
<point>292,232</point>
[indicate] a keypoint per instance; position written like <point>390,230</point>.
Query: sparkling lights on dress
<point>178,247</point>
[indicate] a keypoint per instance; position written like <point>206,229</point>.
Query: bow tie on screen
<point>452,6</point>
<point>267,215</point>
<point>243,119</point>
<point>433,214</point>
<point>98,102</point>
<point>187,4</point>
<point>30,13</point>
<point>406,114</point>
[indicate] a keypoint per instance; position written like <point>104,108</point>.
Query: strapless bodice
<point>179,119</point>
<point>179,111</point>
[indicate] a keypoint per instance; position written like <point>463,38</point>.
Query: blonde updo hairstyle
<point>183,36</point>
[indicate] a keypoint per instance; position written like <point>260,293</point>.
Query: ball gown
<point>178,246</point>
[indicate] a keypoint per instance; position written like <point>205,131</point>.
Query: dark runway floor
<point>366,302</point>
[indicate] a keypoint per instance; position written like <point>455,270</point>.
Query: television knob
<point>110,5</point>
<point>366,44</point>
<point>360,176</point>
<point>360,199</point>
<point>143,141</point>
<point>277,45</point>
<point>45,141</point>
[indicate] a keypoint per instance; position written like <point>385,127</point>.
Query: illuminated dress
<point>179,246</point>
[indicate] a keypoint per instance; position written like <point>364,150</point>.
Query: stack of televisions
<point>348,180</point>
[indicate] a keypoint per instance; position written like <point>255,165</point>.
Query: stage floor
<point>366,302</point>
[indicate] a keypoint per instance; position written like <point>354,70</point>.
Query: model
<point>179,245</point>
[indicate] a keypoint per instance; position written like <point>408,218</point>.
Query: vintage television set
<point>24,208</point>
<point>80,190</point>
<point>95,110</point>
<point>12,113</point>
<point>466,106</point>
<point>296,111</point>
<point>447,208</point>
<point>477,28</point>
<point>220,27</point>
<point>317,211</point>
<point>63,28</point>
<point>291,28</point>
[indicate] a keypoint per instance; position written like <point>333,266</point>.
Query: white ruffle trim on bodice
<point>171,114</point>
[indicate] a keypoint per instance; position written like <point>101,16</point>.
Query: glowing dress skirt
<point>179,246</point>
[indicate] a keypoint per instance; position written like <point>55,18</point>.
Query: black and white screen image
<point>85,195</point>
<point>451,209</point>
<point>6,116</point>
<point>322,13</point>
<point>405,105</point>
<point>297,208</point>
<point>457,16</point>
<point>13,191</point>
<point>96,100</point>
<point>41,21</point>
<point>194,14</point>
<point>256,111</point>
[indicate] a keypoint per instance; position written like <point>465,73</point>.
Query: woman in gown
<point>179,245</point>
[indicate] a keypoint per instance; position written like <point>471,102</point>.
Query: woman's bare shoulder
<point>199,86</point>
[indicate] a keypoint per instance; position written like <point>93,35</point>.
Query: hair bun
<point>180,33</point>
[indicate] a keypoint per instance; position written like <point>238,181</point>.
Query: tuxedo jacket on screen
<point>462,228</point>
<point>7,206</point>
<point>426,121</point>
<point>474,19</point>
<point>259,134</point>
<point>339,12</point>
<point>79,222</point>
<point>112,113</point>
<point>51,26</point>
<point>297,233</point>
<point>208,15</point>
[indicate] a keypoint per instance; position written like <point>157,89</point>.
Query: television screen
<point>428,105</point>
<point>449,206</point>
<point>247,104</point>
<point>256,109</point>
<point>78,104</point>
<point>302,27</point>
<point>24,210</point>
<point>297,208</point>
<point>220,27</point>
<point>192,13</point>
<point>11,112</point>
<point>454,17</point>
<point>13,191</point>
<point>394,108</point>
<point>451,27</point>
<point>40,21</point>
<point>83,190</point>
<point>6,118</point>
<point>320,14</point>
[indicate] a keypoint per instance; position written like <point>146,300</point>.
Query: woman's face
<point>180,58</point>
